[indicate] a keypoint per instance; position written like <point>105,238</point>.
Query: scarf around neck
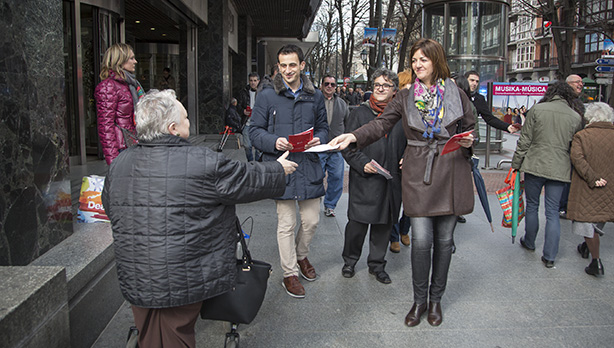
<point>429,102</point>
<point>135,87</point>
<point>377,106</point>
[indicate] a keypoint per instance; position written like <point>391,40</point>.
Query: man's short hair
<point>274,69</point>
<point>289,49</point>
<point>329,76</point>
<point>472,72</point>
<point>253,74</point>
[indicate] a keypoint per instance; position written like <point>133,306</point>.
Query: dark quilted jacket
<point>277,114</point>
<point>172,210</point>
<point>115,107</point>
<point>591,156</point>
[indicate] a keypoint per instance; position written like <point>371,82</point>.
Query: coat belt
<point>431,156</point>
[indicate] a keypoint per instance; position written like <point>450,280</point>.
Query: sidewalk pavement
<point>498,294</point>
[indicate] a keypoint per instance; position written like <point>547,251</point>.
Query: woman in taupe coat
<point>591,197</point>
<point>436,188</point>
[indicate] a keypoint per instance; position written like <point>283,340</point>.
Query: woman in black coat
<point>172,210</point>
<point>372,198</point>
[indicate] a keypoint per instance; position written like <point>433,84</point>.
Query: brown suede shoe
<point>293,287</point>
<point>395,247</point>
<point>435,317</point>
<point>307,270</point>
<point>416,311</point>
<point>405,239</point>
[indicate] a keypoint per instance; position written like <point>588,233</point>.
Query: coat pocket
<point>314,173</point>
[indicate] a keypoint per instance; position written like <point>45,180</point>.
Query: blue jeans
<point>434,232</point>
<point>247,144</point>
<point>554,189</point>
<point>400,228</point>
<point>333,163</point>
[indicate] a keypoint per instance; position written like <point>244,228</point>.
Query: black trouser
<point>355,233</point>
<point>436,232</point>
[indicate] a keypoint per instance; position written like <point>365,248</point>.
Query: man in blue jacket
<point>289,106</point>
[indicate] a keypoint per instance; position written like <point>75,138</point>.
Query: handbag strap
<point>510,179</point>
<point>247,256</point>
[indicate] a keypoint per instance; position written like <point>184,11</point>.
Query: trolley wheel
<point>232,340</point>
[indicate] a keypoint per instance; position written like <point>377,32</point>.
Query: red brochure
<point>299,140</point>
<point>453,144</point>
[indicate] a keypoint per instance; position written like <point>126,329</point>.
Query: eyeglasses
<point>332,84</point>
<point>384,86</point>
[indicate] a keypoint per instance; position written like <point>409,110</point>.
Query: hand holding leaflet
<point>453,143</point>
<point>381,170</point>
<point>299,140</point>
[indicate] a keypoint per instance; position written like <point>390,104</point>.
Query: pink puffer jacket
<point>115,108</point>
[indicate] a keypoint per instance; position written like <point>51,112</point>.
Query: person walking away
<point>591,197</point>
<point>332,162</point>
<point>247,98</point>
<point>293,105</point>
<point>370,203</point>
<point>116,97</point>
<point>172,212</point>
<point>542,153</point>
<point>437,188</point>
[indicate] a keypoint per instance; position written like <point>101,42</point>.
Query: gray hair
<point>389,75</point>
<point>155,112</point>
<point>599,112</point>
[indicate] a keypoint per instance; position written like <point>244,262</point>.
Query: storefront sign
<point>519,89</point>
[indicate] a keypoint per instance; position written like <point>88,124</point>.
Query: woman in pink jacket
<point>116,97</point>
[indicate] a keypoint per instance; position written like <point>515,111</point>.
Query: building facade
<point>532,53</point>
<point>49,67</point>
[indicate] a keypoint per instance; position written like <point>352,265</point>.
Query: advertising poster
<point>510,98</point>
<point>388,37</point>
<point>370,37</point>
<point>608,48</point>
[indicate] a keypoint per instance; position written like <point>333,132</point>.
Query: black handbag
<point>241,304</point>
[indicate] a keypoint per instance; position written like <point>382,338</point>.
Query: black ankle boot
<point>595,268</point>
<point>583,250</point>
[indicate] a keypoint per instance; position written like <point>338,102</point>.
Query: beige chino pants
<point>295,247</point>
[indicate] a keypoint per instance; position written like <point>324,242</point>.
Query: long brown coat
<point>591,156</point>
<point>449,188</point>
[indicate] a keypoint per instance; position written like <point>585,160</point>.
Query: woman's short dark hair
<point>560,89</point>
<point>433,51</point>
<point>388,75</point>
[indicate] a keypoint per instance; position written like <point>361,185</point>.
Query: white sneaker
<point>329,212</point>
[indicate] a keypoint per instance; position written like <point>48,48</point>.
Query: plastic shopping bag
<point>90,200</point>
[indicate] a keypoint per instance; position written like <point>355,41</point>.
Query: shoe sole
<point>305,277</point>
<point>289,293</point>
<point>347,274</point>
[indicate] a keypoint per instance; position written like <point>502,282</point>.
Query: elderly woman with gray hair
<point>591,196</point>
<point>172,211</point>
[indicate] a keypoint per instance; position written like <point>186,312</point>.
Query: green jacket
<point>543,147</point>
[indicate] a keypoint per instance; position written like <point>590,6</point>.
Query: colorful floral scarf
<point>429,102</point>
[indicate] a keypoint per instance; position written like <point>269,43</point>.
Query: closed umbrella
<point>515,205</point>
<point>480,187</point>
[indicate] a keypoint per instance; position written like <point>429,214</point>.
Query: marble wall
<point>239,59</point>
<point>35,196</point>
<point>213,79</point>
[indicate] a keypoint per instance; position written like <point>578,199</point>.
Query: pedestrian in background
<point>332,161</point>
<point>172,211</point>
<point>437,188</point>
<point>116,97</point>
<point>591,197</point>
<point>371,207</point>
<point>542,153</point>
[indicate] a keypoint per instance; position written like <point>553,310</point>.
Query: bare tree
<point>348,21</point>
<point>321,59</point>
<point>564,17</point>
<point>410,24</point>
